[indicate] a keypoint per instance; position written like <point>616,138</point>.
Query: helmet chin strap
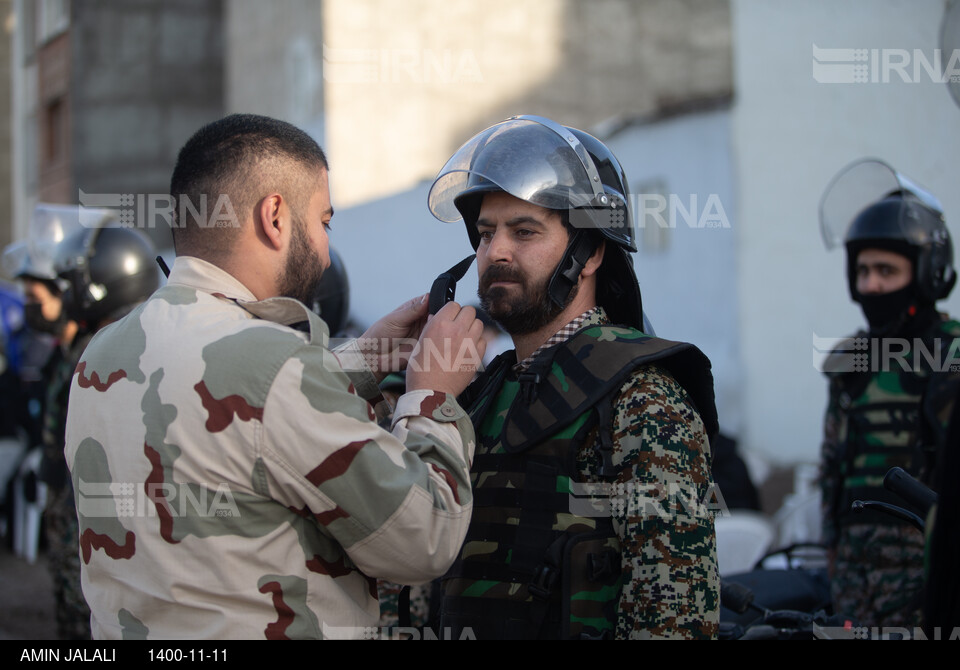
<point>567,274</point>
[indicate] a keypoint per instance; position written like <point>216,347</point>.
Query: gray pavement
<point>26,598</point>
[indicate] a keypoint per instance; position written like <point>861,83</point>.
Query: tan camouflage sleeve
<point>399,502</point>
<point>665,521</point>
<point>354,364</point>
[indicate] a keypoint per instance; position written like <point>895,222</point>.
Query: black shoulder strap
<point>476,398</point>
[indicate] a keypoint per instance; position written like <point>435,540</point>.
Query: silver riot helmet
<point>560,168</point>
<point>868,204</point>
<point>15,262</point>
<point>33,259</point>
<point>50,225</point>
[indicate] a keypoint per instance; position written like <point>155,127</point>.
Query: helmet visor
<point>530,158</point>
<point>865,183</point>
<point>51,225</point>
<point>14,262</point>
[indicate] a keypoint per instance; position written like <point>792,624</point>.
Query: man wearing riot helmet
<point>590,430</point>
<point>50,331</point>
<point>899,264</point>
<point>104,272</point>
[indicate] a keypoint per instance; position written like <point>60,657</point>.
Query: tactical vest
<point>541,558</point>
<point>883,423</point>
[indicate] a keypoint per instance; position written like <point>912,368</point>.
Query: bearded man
<point>592,481</point>
<point>232,480</point>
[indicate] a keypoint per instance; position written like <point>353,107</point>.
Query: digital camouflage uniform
<point>232,482</point>
<point>649,538</point>
<point>391,603</point>
<point>876,416</point>
<point>60,514</point>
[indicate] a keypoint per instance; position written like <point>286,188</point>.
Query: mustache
<point>496,273</point>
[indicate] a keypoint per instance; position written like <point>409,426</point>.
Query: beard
<point>527,312</point>
<point>300,278</point>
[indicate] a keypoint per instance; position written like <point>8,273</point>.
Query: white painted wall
<point>689,290</point>
<point>393,249</point>
<point>791,134</point>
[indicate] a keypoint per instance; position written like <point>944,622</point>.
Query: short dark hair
<point>240,156</point>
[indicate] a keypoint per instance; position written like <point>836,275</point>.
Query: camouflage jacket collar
<point>203,276</point>
<point>199,274</point>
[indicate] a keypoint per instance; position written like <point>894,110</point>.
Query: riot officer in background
<point>48,329</point>
<point>46,334</point>
<point>899,264</point>
<point>105,271</point>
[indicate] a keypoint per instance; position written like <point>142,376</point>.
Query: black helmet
<point>107,271</point>
<point>546,164</point>
<point>332,297</point>
<point>870,205</point>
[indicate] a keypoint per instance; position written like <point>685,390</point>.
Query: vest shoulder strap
<point>569,379</point>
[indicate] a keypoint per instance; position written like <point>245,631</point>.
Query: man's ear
<point>593,263</point>
<point>271,222</point>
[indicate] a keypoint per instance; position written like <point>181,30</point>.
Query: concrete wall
<point>7,27</point>
<point>273,55</point>
<point>681,176</point>
<point>145,76</point>
<point>23,122</point>
<point>54,147</point>
<point>791,134</point>
<point>406,83</point>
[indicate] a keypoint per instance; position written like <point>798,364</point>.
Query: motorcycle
<point>796,601</point>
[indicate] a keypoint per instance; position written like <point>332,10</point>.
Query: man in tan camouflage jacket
<point>231,479</point>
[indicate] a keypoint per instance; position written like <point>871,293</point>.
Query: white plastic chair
<point>743,538</point>
<point>29,501</point>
